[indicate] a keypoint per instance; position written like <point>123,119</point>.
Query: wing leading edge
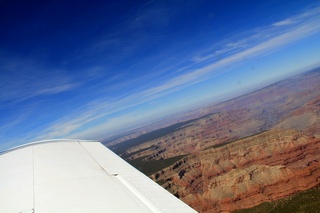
<point>77,176</point>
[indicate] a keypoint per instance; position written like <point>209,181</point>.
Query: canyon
<point>247,172</point>
<point>293,103</point>
<point>256,148</point>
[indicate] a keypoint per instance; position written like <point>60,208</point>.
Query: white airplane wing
<point>77,176</point>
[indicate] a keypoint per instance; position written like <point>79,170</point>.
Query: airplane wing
<point>77,176</point>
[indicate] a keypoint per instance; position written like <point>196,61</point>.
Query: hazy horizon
<point>197,107</point>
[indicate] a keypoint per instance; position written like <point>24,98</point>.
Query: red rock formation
<point>245,173</point>
<point>240,117</point>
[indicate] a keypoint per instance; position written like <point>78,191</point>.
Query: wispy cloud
<point>207,64</point>
<point>25,79</point>
<point>17,120</point>
<point>255,37</point>
<point>56,89</point>
<point>283,23</point>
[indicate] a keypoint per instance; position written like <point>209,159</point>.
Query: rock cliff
<point>247,172</point>
<point>289,104</point>
<point>255,148</point>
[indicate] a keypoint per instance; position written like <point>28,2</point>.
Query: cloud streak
<point>261,35</point>
<point>25,79</point>
<point>283,23</point>
<point>93,117</point>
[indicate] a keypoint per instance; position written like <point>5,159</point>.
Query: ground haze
<point>256,148</point>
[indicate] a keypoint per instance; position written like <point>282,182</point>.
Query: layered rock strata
<point>233,119</point>
<point>245,173</point>
<point>290,104</point>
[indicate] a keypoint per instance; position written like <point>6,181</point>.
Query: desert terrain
<point>260,147</point>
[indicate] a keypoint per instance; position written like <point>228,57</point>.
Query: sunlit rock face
<point>290,104</point>
<point>256,148</point>
<point>242,174</point>
<point>281,160</point>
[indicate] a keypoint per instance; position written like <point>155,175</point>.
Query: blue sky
<point>91,69</point>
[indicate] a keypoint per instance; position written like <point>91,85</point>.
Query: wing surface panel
<point>77,176</point>
<point>153,194</point>
<point>16,181</point>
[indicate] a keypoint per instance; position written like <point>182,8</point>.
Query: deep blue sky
<point>90,69</point>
